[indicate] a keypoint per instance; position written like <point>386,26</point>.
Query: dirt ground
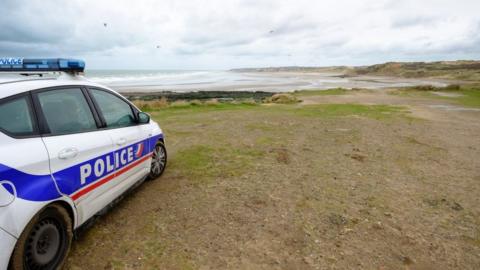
<point>303,186</point>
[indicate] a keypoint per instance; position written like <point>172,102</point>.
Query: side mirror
<point>143,118</point>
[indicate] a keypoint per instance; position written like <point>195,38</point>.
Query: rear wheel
<point>159,161</point>
<point>45,242</point>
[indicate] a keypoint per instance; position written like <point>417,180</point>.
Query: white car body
<point>84,171</point>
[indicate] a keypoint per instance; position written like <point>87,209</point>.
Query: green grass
<point>469,96</point>
<point>201,163</point>
<point>412,93</point>
<point>321,110</point>
<point>195,109</point>
<point>378,112</point>
<point>266,141</point>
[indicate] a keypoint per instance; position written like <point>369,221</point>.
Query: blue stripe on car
<point>42,187</point>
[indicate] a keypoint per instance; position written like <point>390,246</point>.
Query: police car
<point>68,148</point>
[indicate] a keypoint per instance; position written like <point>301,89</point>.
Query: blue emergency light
<point>49,64</point>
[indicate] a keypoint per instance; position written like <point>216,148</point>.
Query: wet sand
<point>278,82</point>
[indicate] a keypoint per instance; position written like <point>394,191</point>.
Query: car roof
<point>15,83</point>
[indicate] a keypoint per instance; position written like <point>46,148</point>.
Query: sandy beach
<point>187,81</point>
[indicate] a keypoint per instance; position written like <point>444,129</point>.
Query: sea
<point>224,80</point>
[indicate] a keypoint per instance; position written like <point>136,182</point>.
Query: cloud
<point>225,34</point>
<point>20,24</point>
<point>412,21</point>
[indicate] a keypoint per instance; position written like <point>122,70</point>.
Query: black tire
<point>45,242</point>
<point>159,161</point>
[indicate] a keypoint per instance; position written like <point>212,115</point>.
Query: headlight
<point>7,193</point>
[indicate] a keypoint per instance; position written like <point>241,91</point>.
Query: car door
<point>131,143</point>
<point>24,163</point>
<point>81,155</point>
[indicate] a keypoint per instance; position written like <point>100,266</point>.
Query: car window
<point>15,117</point>
<point>66,111</point>
<point>116,112</point>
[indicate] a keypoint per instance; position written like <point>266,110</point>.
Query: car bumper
<point>7,243</point>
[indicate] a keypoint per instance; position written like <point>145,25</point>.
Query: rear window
<point>66,111</point>
<point>16,117</point>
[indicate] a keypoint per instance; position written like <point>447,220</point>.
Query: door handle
<point>121,141</point>
<point>67,153</point>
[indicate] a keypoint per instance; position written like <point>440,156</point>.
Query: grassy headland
<point>349,181</point>
<point>312,179</point>
<point>452,70</point>
<point>449,70</point>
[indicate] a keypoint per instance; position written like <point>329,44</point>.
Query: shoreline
<point>274,82</point>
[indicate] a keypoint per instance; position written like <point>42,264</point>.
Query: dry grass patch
<point>147,105</point>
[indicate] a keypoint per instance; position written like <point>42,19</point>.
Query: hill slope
<point>460,70</point>
<point>467,70</point>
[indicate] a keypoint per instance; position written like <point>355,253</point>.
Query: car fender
<point>15,216</point>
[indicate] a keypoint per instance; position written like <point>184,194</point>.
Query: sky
<point>224,34</point>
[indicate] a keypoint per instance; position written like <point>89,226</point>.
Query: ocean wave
<point>126,78</point>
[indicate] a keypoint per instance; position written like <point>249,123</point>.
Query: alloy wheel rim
<point>158,160</point>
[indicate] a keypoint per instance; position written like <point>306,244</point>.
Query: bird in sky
<point>105,24</point>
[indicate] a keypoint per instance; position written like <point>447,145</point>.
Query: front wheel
<point>45,242</point>
<point>159,161</point>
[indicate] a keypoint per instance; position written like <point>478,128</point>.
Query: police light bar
<point>49,64</point>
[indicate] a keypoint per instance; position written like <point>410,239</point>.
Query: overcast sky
<point>222,34</point>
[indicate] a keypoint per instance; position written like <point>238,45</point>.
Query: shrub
<point>146,105</point>
<point>249,101</point>
<point>142,105</point>
<point>282,99</point>
<point>452,87</point>
<point>159,103</point>
<point>179,103</point>
<point>424,87</point>
<point>212,101</point>
<point>195,102</point>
